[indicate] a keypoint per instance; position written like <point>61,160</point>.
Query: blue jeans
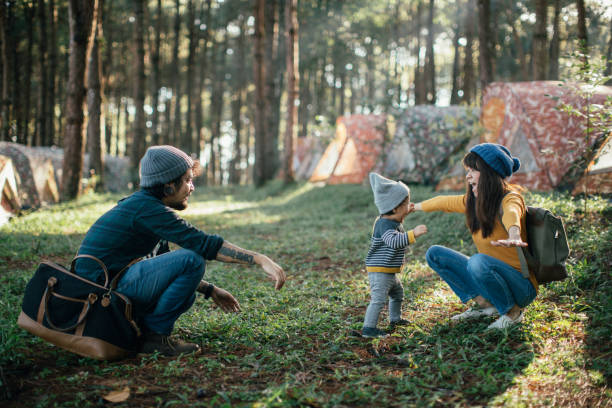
<point>483,275</point>
<point>162,288</point>
<point>383,285</point>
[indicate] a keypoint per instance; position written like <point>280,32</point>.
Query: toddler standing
<point>386,255</point>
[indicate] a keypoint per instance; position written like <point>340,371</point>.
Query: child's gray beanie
<point>388,194</point>
<point>162,164</point>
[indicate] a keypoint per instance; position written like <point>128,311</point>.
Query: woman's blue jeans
<point>162,288</point>
<point>483,275</point>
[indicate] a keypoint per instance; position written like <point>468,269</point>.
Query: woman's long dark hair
<point>482,212</point>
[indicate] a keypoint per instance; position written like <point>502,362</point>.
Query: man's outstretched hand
<point>225,300</point>
<point>274,271</point>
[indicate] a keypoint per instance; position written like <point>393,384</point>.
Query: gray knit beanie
<point>388,194</point>
<point>162,164</point>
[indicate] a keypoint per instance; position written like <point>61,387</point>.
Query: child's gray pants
<point>383,285</point>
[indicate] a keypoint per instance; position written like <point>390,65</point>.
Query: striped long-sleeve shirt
<point>387,247</point>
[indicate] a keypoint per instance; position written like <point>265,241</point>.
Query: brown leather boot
<point>154,342</point>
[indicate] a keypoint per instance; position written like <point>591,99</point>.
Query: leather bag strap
<point>85,256</point>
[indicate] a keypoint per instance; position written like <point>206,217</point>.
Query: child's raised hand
<point>420,230</point>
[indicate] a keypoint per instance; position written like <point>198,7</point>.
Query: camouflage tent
<point>9,198</point>
<point>597,179</point>
<point>428,141</point>
<point>36,180</point>
<point>524,117</point>
<point>355,150</point>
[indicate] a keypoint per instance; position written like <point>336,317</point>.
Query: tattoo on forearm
<point>238,256</point>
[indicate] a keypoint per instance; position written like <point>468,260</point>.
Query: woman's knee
<point>478,266</point>
<point>433,255</point>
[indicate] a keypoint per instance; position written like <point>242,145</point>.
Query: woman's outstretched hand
<point>509,243</point>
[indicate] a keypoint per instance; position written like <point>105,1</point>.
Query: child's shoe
<point>396,323</point>
<point>373,332</point>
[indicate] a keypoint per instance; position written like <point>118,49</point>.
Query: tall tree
<point>139,134</point>
<point>291,26</point>
<point>430,66</point>
<point>469,80</point>
<point>273,84</point>
<point>155,73</point>
<point>539,41</point>
<point>95,141</point>
<point>583,38</point>
<point>553,50</point>
<point>27,79</point>
<point>259,171</point>
<point>455,78</point>
<point>52,78</point>
<point>42,109</point>
<point>6,69</point>
<point>81,15</point>
<point>187,142</point>
<point>201,79</point>
<point>485,38</point>
<point>608,71</point>
<point>420,89</point>
<point>176,87</point>
<point>237,103</point>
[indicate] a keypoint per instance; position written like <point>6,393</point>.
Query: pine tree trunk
<point>523,73</point>
<point>553,50</point>
<point>155,74</point>
<point>469,81</point>
<point>203,64</point>
<point>176,89</point>
<point>237,102</point>
<point>260,99</point>
<point>139,134</point>
<point>27,79</point>
<point>583,39</point>
<point>455,99</point>
<point>272,86</point>
<point>430,66</point>
<point>540,41</point>
<point>608,71</point>
<point>485,40</point>
<point>419,83</point>
<point>291,25</point>
<point>95,141</point>
<point>41,125</point>
<point>187,142</point>
<point>16,68</point>
<point>6,103</point>
<point>80,17</point>
<point>51,101</point>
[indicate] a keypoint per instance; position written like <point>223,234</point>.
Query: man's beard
<point>180,206</point>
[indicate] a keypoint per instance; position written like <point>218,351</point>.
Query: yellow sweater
<point>514,215</point>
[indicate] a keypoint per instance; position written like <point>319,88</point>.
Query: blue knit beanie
<point>498,157</point>
<point>388,194</point>
<point>162,164</point>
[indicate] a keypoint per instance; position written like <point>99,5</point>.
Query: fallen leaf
<point>118,396</point>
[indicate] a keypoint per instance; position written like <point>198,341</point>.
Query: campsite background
<point>288,105</point>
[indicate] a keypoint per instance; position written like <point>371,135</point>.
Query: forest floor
<point>297,346</point>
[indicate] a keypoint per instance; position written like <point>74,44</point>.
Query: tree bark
<point>237,103</point>
<point>430,66</point>
<point>485,39</point>
<point>51,101</point>
<point>81,14</point>
<point>608,71</point>
<point>539,41</point>
<point>419,84</point>
<point>27,85</point>
<point>259,175</point>
<point>176,88</point>
<point>6,69</point>
<point>455,98</point>
<point>95,141</point>
<point>293,77</point>
<point>518,43</point>
<point>469,80</point>
<point>42,125</point>
<point>273,86</point>
<point>155,74</point>
<point>553,50</point>
<point>583,39</point>
<point>203,65</point>
<point>139,134</point>
<point>187,142</point>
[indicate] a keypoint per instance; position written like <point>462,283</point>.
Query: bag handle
<point>91,298</point>
<point>95,259</point>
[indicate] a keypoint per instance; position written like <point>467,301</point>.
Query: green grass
<point>294,347</point>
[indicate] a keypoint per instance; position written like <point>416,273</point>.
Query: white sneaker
<point>471,313</point>
<point>506,321</point>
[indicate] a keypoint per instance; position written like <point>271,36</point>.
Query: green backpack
<point>548,248</point>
